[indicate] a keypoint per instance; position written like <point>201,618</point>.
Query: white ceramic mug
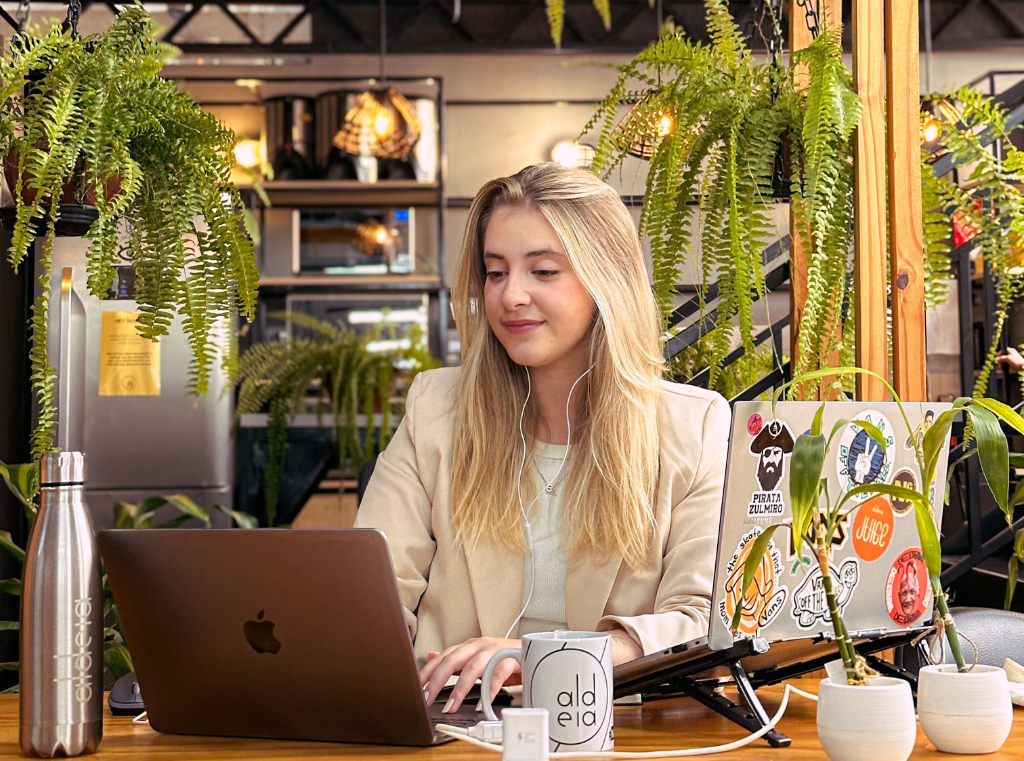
<point>569,674</point>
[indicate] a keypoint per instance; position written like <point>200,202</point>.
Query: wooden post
<point>799,257</point>
<point>869,173</point>
<point>903,93</point>
<point>830,13</point>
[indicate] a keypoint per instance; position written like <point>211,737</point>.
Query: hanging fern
<point>714,168</point>
<point>347,377</point>
<point>97,111</point>
<point>991,203</point>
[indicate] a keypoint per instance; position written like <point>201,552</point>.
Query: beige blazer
<point>451,596</point>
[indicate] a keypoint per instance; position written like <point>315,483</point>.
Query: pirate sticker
<point>917,435</point>
<point>908,594</point>
<point>873,528</point>
<point>766,596</point>
<point>906,478</point>
<point>861,459</point>
<point>810,603</point>
<point>771,445</point>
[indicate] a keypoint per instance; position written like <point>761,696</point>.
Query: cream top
<point>546,610</point>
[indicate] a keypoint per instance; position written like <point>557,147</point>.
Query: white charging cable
<point>461,733</point>
<point>548,488</point>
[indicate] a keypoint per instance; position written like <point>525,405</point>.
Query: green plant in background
<point>808,491</point>
<point>23,483</point>
<point>991,204</point>
<point>734,378</point>
<point>728,114</point>
<point>98,113</point>
<point>348,378</point>
<point>555,11</point>
<point>1016,557</point>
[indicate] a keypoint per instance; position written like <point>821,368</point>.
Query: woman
<point>554,480</point>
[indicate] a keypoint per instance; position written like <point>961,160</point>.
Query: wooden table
<point>659,725</point>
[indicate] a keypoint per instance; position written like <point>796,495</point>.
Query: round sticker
<point>754,424</point>
<point>764,598</point>
<point>872,528</point>
<point>908,593</point>
<point>861,459</point>
<point>906,478</point>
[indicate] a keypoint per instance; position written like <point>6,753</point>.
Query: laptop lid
<point>283,633</point>
<point>877,569</point>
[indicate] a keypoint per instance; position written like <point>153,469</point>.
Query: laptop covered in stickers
<point>877,569</point>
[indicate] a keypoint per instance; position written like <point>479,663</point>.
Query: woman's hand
<point>468,660</point>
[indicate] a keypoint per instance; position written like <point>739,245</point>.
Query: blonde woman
<point>554,480</point>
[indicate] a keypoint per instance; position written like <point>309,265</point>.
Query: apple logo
<point>260,634</point>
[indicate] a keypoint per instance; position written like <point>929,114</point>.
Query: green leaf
<point>244,520</point>
<point>923,516</point>
<point>873,431</point>
<point>1018,544</point>
<point>9,626</point>
<point>188,507</point>
<point>117,659</point>
<point>750,568</point>
<point>1003,411</point>
<point>805,468</point>
<point>934,442</point>
<point>10,666</point>
<point>20,480</point>
<point>1011,582</point>
<point>994,455</point>
<point>10,586</point>
<point>816,423</point>
<point>7,545</point>
<point>124,514</point>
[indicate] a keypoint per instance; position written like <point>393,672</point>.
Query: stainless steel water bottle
<point>61,618</point>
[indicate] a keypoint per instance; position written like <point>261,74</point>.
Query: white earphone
<point>549,488</point>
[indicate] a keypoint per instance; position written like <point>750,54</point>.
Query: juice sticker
<point>873,528</point>
<point>766,596</point>
<point>908,593</point>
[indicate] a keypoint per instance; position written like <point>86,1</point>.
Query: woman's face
<point>535,304</point>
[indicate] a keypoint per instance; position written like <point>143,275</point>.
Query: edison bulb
<point>664,125</point>
<point>382,124</point>
<point>247,153</point>
<point>565,153</point>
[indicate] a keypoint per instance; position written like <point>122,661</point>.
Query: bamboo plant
<point>815,515</point>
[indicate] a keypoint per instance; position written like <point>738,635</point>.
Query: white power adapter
<point>524,734</point>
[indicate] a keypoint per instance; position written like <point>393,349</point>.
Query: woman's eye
<point>546,273</point>
<point>493,275</point>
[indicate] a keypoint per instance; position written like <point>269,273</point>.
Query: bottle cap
<point>62,468</point>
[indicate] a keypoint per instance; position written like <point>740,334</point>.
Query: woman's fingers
<point>445,665</point>
<point>429,672</point>
<point>473,670</point>
<point>503,673</point>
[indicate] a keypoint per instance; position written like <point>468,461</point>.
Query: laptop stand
<point>691,677</point>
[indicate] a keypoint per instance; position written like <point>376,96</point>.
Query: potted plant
<point>94,113</point>
<point>979,725</point>
<point>23,483</point>
<point>348,376</point>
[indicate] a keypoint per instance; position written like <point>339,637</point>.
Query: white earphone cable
<point>459,732</point>
<point>548,488</point>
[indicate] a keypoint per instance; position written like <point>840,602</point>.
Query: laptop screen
<point>877,570</point>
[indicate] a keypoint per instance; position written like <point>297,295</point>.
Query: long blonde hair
<point>611,476</point>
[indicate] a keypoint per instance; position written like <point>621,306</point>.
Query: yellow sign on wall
<point>129,363</point>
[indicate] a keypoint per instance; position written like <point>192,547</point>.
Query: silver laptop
<point>877,569</point>
<point>279,633</point>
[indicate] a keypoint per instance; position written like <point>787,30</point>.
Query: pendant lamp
<point>648,128</point>
<point>382,123</point>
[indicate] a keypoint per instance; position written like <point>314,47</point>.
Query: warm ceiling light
<point>930,129</point>
<point>572,154</point>
<point>382,123</point>
<point>648,132</point>
<point>247,153</point>
<point>371,236</point>
<point>252,84</point>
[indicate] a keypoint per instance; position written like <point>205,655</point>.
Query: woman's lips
<point>520,327</point>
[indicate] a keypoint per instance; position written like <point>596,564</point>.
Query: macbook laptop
<point>277,633</point>
<point>877,569</point>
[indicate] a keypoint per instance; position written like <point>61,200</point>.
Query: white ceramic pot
<point>874,722</point>
<point>966,712</point>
